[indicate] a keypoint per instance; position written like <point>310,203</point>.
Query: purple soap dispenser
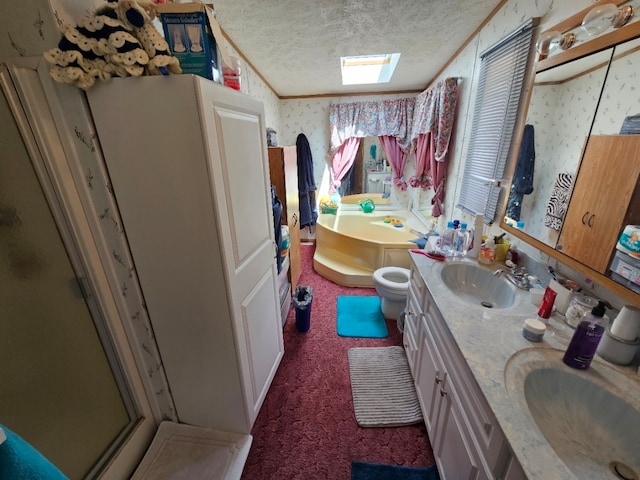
<point>586,338</point>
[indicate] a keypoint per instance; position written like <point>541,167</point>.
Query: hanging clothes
<point>522,183</point>
<point>276,206</point>
<point>306,183</point>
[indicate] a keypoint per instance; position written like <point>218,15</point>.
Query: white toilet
<point>392,284</point>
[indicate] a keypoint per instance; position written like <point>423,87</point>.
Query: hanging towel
<point>559,201</point>
<point>523,176</point>
<point>306,183</point>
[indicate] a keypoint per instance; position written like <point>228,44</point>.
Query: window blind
<point>502,72</point>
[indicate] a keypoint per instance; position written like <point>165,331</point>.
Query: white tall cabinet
<point>189,171</point>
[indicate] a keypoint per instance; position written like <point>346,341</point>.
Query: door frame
<point>29,91</point>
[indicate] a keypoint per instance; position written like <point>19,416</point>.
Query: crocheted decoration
<point>117,40</point>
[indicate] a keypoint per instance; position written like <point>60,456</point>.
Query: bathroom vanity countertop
<point>488,338</point>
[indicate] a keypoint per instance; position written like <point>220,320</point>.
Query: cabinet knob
<point>295,219</point>
<point>443,392</point>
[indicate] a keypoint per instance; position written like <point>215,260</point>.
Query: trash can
<point>302,299</point>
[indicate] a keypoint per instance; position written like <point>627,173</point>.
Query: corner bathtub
<point>352,244</point>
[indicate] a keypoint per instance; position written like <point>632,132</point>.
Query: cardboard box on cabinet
<point>194,38</point>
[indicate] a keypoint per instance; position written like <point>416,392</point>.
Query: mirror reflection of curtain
<point>397,158</point>
<point>431,132</point>
<point>343,160</point>
<point>349,122</point>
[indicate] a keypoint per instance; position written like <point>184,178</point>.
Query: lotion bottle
<point>487,254</point>
<point>586,338</point>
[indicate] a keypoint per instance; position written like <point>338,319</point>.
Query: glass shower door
<point>59,386</point>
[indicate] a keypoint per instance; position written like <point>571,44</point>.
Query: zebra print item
<point>559,201</point>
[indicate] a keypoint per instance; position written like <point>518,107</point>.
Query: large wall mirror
<point>558,122</point>
<point>579,109</point>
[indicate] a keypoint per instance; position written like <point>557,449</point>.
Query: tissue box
<point>190,30</point>
<point>625,270</point>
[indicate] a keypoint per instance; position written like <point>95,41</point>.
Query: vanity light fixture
<point>604,16</point>
<point>552,39</point>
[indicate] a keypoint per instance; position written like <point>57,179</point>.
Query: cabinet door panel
<point>456,459</point>
<point>411,326</point>
<point>603,189</point>
<point>431,377</point>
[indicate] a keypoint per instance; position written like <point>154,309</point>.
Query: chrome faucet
<point>517,276</point>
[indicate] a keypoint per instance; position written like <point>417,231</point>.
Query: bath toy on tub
<point>396,222</point>
<point>367,205</point>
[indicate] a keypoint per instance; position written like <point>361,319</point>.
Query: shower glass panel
<point>57,388</point>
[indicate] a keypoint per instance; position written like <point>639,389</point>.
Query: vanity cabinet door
<point>430,379</point>
<point>454,452</point>
<point>599,203</point>
<point>413,315</point>
<point>412,318</point>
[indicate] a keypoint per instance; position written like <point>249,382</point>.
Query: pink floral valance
<point>371,119</point>
<point>435,112</point>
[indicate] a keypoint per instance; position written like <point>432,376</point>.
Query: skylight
<point>364,69</point>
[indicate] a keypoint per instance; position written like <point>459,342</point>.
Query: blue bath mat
<point>360,316</point>
<point>375,471</point>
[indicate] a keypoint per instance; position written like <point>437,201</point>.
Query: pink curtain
<point>342,161</point>
<point>431,132</point>
<point>429,171</point>
<point>424,145</point>
<point>397,158</point>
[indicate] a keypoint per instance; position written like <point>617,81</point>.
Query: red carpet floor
<point>306,428</point>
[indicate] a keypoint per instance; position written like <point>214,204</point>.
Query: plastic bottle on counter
<point>476,236</point>
<point>461,242</point>
<point>446,241</point>
<point>585,340</point>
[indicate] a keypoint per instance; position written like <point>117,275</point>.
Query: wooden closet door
<point>608,175</point>
<point>293,212</point>
<point>283,165</point>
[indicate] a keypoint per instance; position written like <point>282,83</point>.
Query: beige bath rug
<point>382,387</point>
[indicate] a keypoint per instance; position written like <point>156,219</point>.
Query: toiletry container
<point>487,254</point>
<point>585,340</point>
<point>579,306</point>
<point>533,330</point>
<point>563,296</point>
<point>476,236</point>
<point>627,324</point>
<point>447,238</point>
<point>461,241</point>
<point>617,350</point>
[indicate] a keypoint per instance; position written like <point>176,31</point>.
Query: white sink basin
<point>477,285</point>
<point>587,417</point>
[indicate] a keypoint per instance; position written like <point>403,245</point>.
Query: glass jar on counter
<point>579,306</point>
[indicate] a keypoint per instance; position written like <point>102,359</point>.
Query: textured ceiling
<point>296,45</point>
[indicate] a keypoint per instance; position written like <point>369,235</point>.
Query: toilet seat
<point>392,278</point>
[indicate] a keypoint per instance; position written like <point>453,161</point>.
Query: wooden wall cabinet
<point>601,200</point>
<point>283,167</point>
